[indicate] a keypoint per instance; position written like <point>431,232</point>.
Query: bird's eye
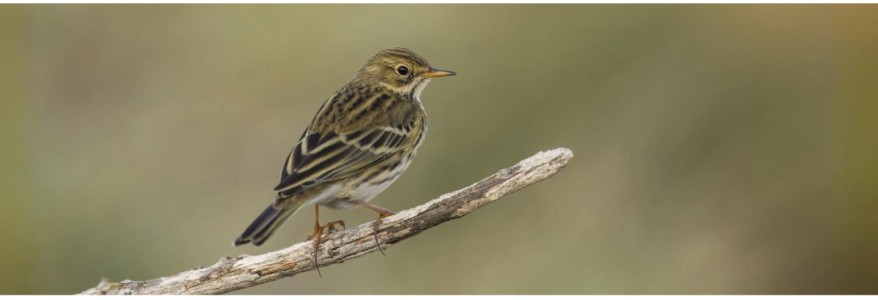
<point>402,70</point>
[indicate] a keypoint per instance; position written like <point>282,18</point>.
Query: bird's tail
<point>264,225</point>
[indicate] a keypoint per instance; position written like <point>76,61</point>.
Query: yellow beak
<point>438,73</point>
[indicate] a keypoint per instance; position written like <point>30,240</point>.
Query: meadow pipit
<point>360,141</point>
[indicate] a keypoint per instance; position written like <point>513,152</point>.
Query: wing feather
<point>332,156</point>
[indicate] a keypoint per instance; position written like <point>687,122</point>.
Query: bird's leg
<point>382,213</point>
<point>318,233</point>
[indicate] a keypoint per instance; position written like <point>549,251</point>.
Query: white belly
<point>323,196</point>
<point>367,191</point>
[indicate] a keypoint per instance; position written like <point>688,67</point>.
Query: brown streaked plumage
<point>361,139</point>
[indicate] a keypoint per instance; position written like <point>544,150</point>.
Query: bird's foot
<point>317,235</point>
<point>329,227</point>
<point>377,225</point>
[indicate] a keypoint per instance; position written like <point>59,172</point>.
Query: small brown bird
<point>360,141</point>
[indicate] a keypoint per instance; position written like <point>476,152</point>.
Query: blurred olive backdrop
<point>719,148</point>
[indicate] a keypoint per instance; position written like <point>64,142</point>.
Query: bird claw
<point>376,225</point>
<point>328,228</point>
<point>331,226</point>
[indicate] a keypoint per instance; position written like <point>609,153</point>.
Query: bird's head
<point>400,70</point>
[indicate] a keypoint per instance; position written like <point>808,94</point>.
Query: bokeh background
<point>719,148</point>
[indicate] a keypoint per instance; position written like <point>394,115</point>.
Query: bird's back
<point>358,130</point>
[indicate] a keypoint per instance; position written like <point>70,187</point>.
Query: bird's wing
<point>333,153</point>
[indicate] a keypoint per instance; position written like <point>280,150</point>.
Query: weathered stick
<point>230,274</point>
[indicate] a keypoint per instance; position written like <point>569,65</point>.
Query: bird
<point>359,142</point>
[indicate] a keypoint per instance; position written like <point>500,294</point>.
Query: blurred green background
<point>719,148</point>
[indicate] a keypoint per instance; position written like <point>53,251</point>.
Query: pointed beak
<point>438,73</point>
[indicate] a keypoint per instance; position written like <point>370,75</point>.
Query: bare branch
<point>230,274</point>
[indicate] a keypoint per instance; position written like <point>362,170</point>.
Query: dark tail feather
<point>264,225</point>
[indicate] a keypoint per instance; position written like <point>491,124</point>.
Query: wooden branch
<point>230,274</point>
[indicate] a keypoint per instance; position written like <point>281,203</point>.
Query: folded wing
<point>321,157</point>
